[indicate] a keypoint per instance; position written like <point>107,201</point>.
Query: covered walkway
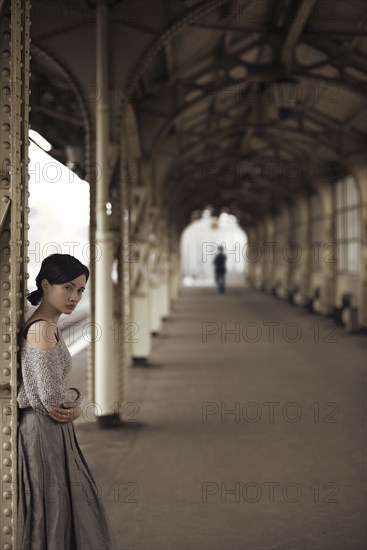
<point>250,444</point>
<point>249,412</point>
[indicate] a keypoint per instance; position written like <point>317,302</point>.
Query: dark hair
<point>57,269</point>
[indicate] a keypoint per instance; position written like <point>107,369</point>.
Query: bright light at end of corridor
<point>199,245</point>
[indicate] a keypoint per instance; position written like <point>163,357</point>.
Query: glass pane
<point>352,192</point>
<point>353,224</point>
<point>340,233</point>
<point>353,257</point>
<point>341,257</point>
<point>339,194</point>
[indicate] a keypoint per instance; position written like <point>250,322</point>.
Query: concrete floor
<point>285,470</point>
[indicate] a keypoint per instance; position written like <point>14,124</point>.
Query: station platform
<point>245,430</point>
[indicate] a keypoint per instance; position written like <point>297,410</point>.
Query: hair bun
<point>35,297</point>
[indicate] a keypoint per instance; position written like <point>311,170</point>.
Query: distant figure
<point>220,269</point>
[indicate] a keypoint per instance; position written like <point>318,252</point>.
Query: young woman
<point>59,505</point>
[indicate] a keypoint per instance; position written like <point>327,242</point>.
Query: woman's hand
<point>67,413</point>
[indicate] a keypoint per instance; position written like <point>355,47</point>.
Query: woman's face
<point>64,297</point>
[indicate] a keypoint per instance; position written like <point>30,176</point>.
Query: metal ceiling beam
<point>348,122</point>
<point>357,34</point>
<point>230,163</point>
<point>294,26</point>
<point>232,132</point>
<point>51,113</point>
<point>257,72</point>
<point>333,50</point>
<point>177,27</point>
<point>137,27</point>
<point>275,30</point>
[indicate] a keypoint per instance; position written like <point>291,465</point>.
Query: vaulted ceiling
<point>240,104</point>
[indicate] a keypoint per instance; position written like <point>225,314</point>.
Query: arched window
<point>347,224</point>
<point>317,228</point>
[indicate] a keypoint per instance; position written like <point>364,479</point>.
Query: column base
<point>109,421</point>
<point>308,305</point>
<point>140,360</point>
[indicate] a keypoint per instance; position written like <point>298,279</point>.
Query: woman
<point>59,506</point>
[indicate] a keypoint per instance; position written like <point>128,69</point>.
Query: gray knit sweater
<point>46,377</point>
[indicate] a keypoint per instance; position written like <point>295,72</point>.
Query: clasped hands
<point>66,413</point>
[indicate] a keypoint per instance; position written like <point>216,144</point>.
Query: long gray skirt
<point>59,504</point>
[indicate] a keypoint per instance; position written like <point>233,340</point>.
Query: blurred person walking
<point>220,269</point>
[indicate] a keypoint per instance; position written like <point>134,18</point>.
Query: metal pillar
<point>92,180</point>
<point>14,126</point>
<point>362,312</point>
<point>305,278</point>
<point>259,265</point>
<point>107,334</point>
<point>268,261</point>
<point>329,272</point>
<point>164,301</point>
<point>139,281</point>
<point>251,257</point>
<point>174,262</point>
<point>329,269</point>
<point>155,319</point>
<point>122,311</point>
<point>357,165</point>
<point>287,265</point>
